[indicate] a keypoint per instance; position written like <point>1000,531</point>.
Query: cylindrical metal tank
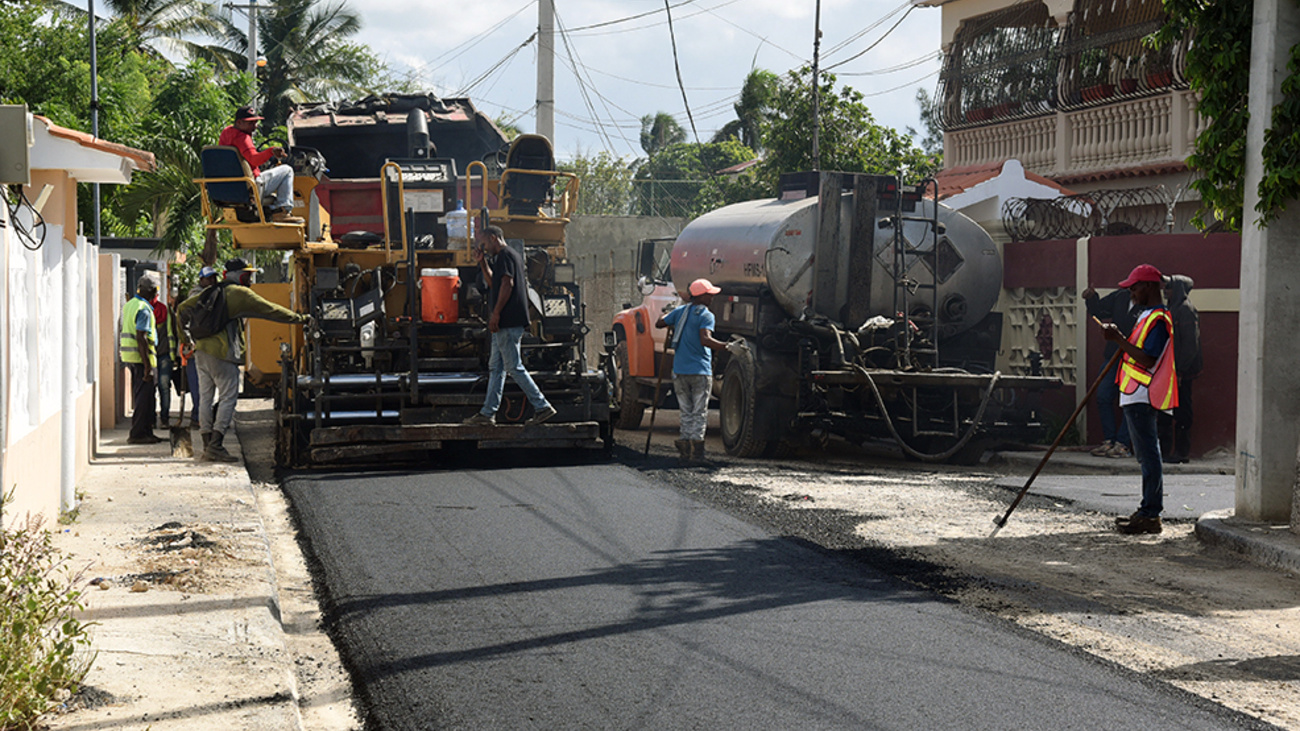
<point>770,244</point>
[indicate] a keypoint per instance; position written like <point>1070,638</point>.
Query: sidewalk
<point>188,624</point>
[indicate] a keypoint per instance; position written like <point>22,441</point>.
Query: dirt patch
<point>194,559</point>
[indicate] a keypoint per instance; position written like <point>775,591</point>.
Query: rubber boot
<point>683,449</point>
<point>697,451</point>
<point>216,450</point>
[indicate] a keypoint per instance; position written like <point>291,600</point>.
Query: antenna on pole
<point>816,88</point>
<point>546,69</point>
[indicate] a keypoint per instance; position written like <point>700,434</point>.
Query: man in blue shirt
<point>693,345</point>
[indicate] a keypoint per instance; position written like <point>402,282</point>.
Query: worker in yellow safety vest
<point>1147,386</point>
<point>137,347</point>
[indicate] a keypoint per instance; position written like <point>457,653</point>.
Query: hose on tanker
<point>908,450</point>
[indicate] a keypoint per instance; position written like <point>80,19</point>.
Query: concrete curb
<point>1271,546</point>
<point>172,656</point>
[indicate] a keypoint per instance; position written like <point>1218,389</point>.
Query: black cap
<point>236,265</point>
<point>244,113</point>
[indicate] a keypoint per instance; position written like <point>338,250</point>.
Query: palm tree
<point>753,110</point>
<point>307,55</point>
<point>659,131</point>
<point>166,27</point>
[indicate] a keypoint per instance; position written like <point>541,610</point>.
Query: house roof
<point>109,162</point>
<point>958,180</point>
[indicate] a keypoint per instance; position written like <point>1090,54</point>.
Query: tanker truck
<point>867,312</point>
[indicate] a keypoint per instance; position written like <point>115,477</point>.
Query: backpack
<point>209,315</point>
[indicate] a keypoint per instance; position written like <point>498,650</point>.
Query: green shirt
<point>241,302</point>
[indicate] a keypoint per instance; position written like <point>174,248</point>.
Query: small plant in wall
<point>44,648</point>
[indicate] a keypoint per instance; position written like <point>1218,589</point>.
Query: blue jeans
<point>1107,401</point>
<point>506,358</point>
<point>1141,420</point>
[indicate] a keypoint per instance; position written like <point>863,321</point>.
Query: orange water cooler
<point>439,295</point>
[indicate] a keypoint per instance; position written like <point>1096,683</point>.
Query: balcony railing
<point>1125,134</point>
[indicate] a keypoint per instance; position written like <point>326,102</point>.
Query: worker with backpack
<point>213,321</point>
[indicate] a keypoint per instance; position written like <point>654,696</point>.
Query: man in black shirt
<point>503,270</point>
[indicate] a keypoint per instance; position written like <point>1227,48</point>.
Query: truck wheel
<point>626,391</point>
<point>738,407</point>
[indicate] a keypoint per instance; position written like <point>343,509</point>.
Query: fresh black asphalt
<point>592,596</point>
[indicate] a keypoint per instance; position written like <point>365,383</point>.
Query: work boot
<point>286,217</point>
<point>697,451</point>
<point>481,419</point>
<point>216,450</point>
<point>683,449</point>
<point>1139,524</point>
<point>541,416</point>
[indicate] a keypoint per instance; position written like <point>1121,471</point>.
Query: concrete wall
<point>603,249</point>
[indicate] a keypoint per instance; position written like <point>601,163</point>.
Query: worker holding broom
<point>1147,386</point>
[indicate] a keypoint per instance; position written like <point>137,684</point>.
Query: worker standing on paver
<point>214,320</point>
<point>1148,386</point>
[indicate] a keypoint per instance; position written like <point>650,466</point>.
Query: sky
<point>612,68</point>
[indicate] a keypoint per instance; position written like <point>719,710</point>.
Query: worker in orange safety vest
<point>1147,386</point>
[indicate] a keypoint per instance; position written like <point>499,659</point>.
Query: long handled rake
<point>999,522</point>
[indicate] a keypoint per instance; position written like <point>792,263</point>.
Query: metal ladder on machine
<point>907,254</point>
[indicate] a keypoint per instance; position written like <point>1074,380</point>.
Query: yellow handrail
<point>401,196</point>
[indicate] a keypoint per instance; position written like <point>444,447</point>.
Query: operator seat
<point>524,194</point>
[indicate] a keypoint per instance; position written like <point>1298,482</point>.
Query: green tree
<point>1218,68</point>
<point>605,184</point>
<point>188,113</point>
<point>753,111</point>
<point>850,139</point>
<point>165,27</point>
<point>659,131</point>
<point>670,181</point>
<point>308,56</point>
<point>932,142</point>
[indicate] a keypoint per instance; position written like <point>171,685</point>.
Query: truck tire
<point>739,406</point>
<point>626,391</point>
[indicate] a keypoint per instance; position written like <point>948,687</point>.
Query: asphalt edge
<point>1269,545</point>
<point>273,600</point>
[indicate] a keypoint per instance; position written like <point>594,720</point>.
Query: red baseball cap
<point>1141,273</point>
<point>703,286</point>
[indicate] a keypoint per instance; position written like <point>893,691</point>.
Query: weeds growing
<point>44,648</point>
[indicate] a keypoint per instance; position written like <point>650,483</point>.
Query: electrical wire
<point>902,86</point>
<point>582,87</point>
<point>25,233</point>
<point>900,67</point>
<point>847,41</point>
<point>678,67</point>
<point>603,24</point>
<point>861,53</point>
<point>466,89</point>
<point>472,41</point>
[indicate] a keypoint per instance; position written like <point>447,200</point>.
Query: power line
<point>673,36</point>
<point>859,54</point>
<point>461,48</point>
<point>903,86</point>
<point>844,43</point>
<point>582,87</point>
<point>900,67</point>
<point>466,89</point>
<point>581,28</point>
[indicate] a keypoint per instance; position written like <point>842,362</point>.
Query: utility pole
<point>816,88</point>
<point>546,69</point>
<point>251,9</point>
